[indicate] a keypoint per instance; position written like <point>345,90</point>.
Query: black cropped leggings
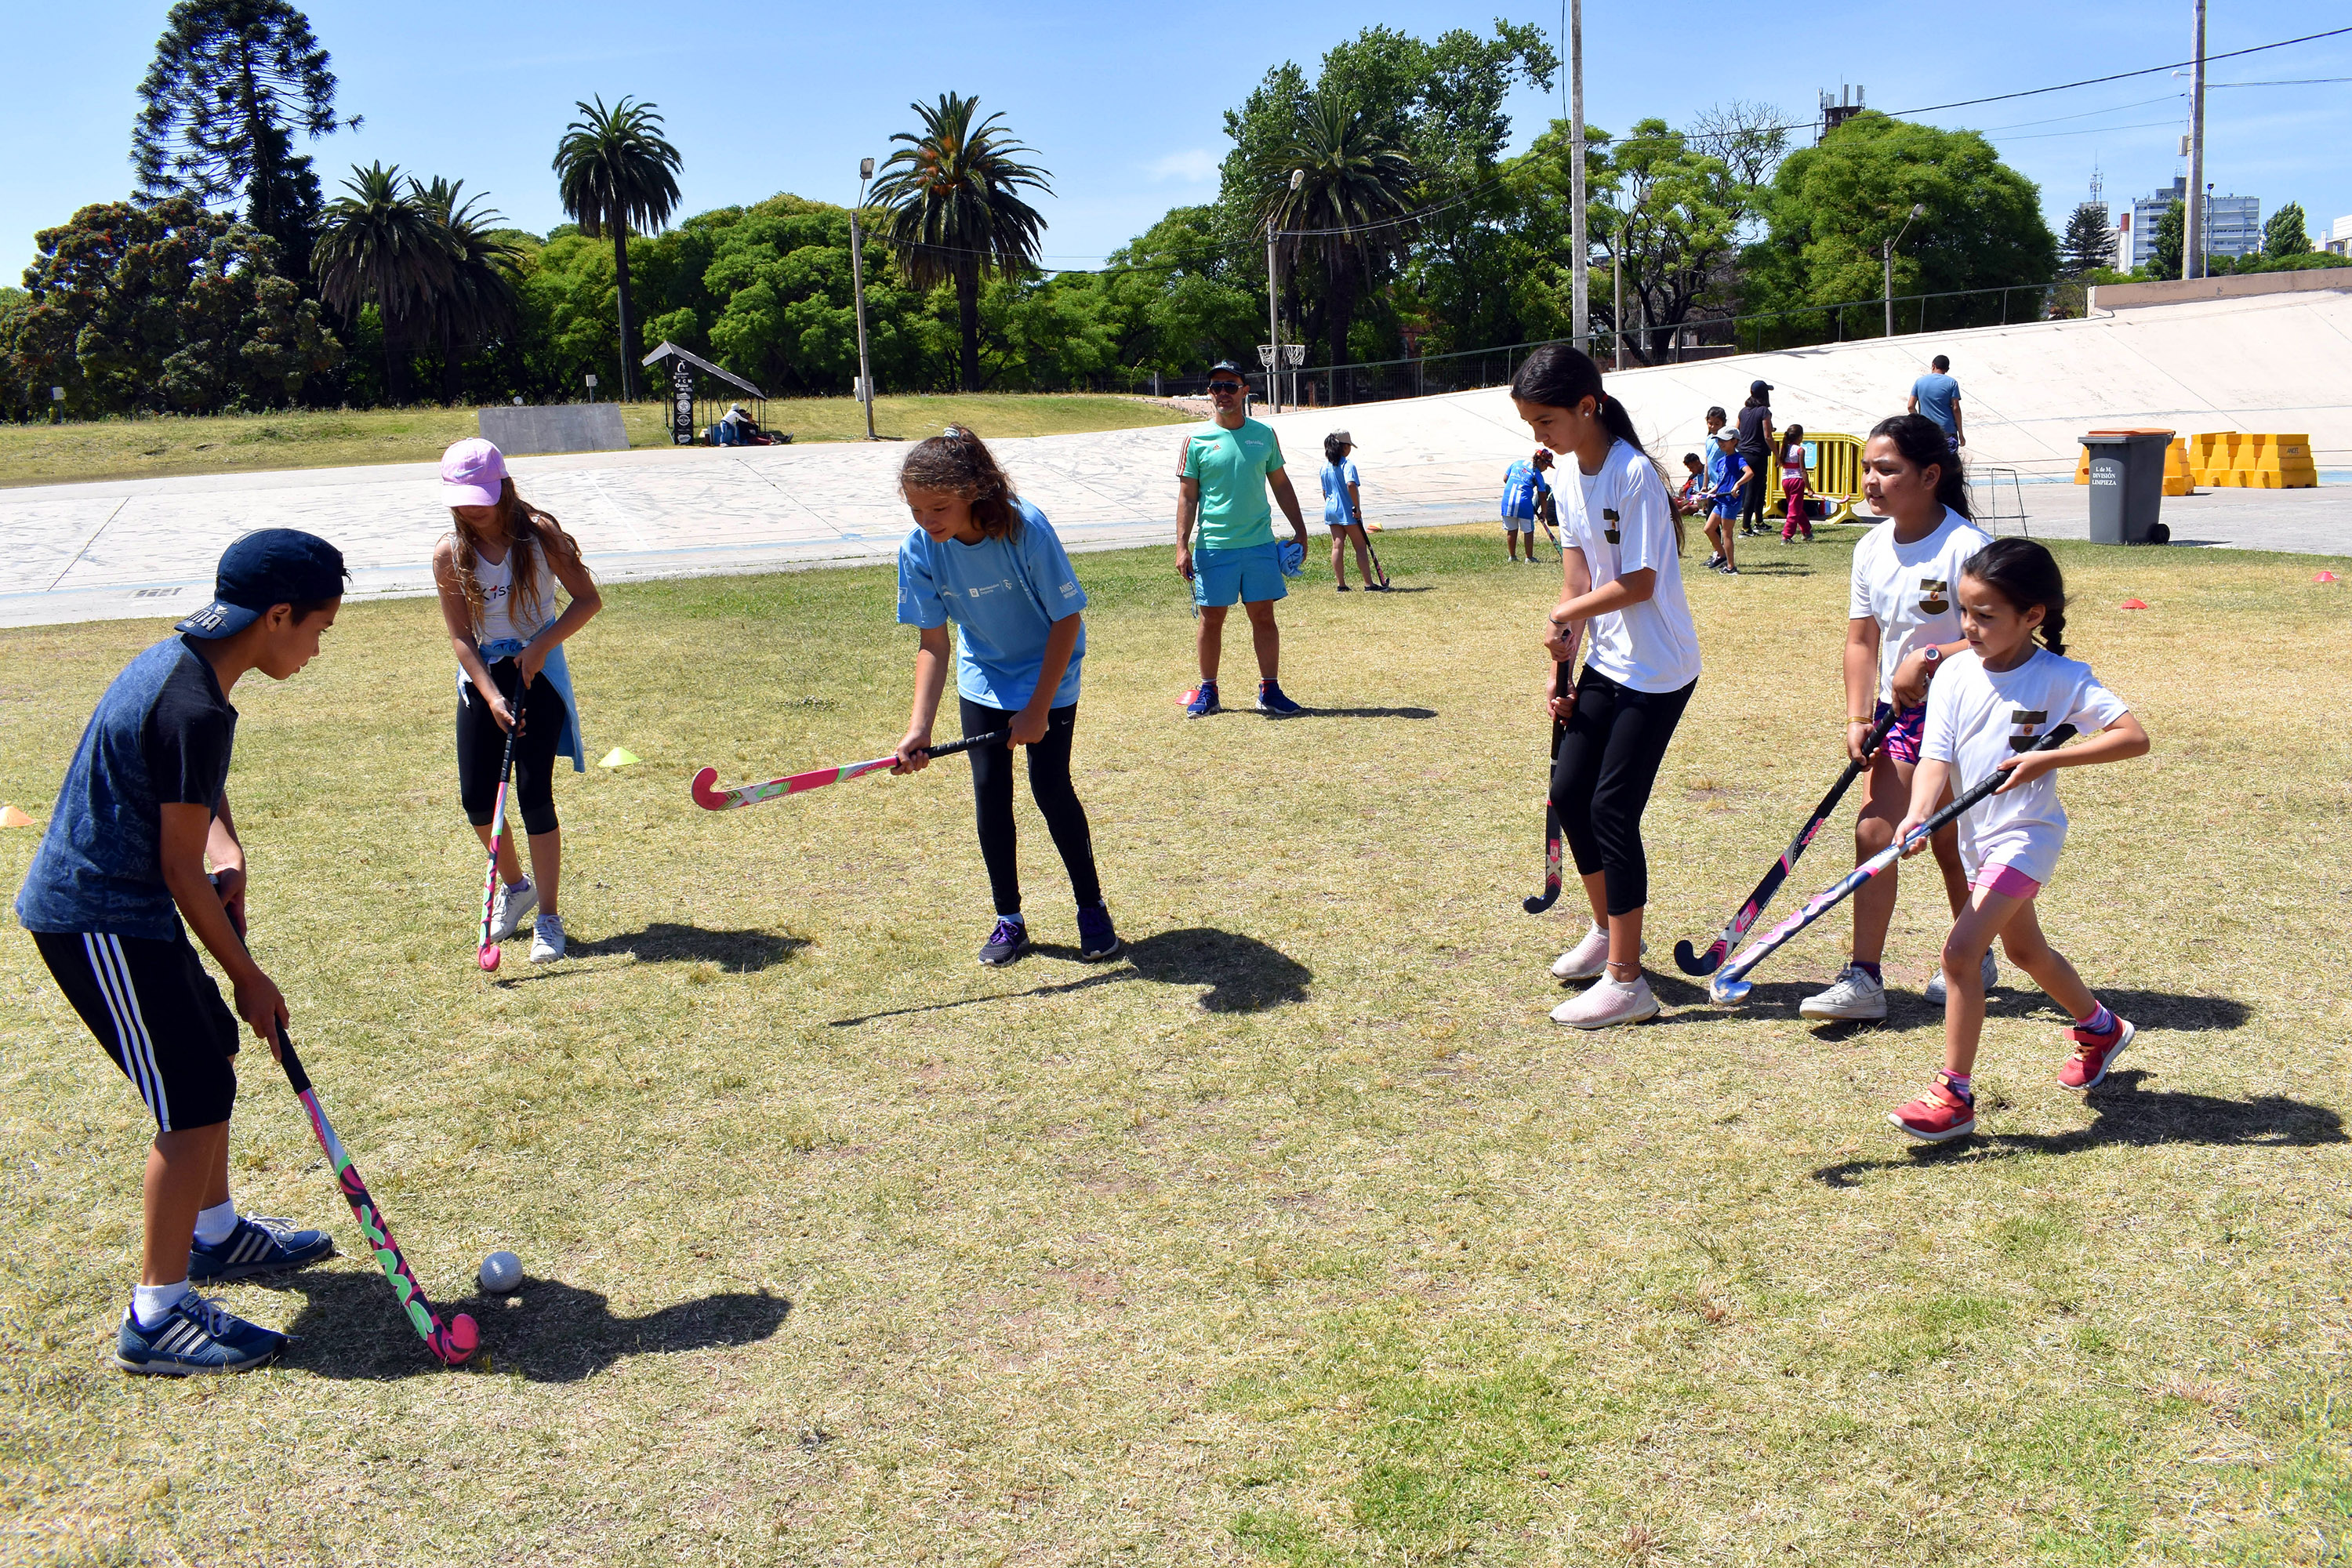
<point>1049,786</point>
<point>482,746</point>
<point>1600,782</point>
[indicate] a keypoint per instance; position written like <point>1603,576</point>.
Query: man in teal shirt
<point>1228,466</point>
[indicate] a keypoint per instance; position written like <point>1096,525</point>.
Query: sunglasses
<point>1219,388</point>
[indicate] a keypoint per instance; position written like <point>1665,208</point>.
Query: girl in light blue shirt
<point>1343,513</point>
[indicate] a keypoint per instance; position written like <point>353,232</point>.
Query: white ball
<point>501,1271</point>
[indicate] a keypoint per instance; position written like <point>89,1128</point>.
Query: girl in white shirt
<point>1621,568</point>
<point>1903,623</point>
<point>1983,715</point>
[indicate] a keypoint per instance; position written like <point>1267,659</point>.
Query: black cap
<point>1759,388</point>
<point>1227,364</point>
<point>274,566</point>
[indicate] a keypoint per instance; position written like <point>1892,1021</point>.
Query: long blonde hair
<point>532,534</point>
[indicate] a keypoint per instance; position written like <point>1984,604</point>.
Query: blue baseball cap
<point>273,567</point>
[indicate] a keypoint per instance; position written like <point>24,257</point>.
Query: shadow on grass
<point>349,1327</point>
<point>665,941</point>
<point>1367,713</point>
<point>2123,1114</point>
<point>1243,974</point>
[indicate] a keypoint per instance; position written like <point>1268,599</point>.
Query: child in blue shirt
<point>1727,481</point>
<point>988,561</point>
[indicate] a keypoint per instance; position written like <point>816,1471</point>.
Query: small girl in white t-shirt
<point>1984,710</point>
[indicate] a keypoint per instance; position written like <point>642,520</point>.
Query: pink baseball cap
<point>473,473</point>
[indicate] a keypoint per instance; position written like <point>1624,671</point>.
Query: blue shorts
<point>1251,575</point>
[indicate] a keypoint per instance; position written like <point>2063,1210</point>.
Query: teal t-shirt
<point>1232,465</point>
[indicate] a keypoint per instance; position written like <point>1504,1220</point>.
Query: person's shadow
<point>1243,975</point>
<point>2123,1113</point>
<point>665,941</point>
<point>350,1327</point>
<point>1305,712</point>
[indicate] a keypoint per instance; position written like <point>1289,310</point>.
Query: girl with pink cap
<point>497,570</point>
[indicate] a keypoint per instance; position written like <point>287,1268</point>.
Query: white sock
<point>1015,917</point>
<point>216,1223</point>
<point>150,1302</point>
<point>522,882</point>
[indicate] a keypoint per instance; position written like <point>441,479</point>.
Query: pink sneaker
<point>1936,1115</point>
<point>2087,1068</point>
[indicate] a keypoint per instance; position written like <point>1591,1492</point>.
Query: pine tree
<point>2171,239</point>
<point>2088,244</point>
<point>2286,232</point>
<point>231,83</point>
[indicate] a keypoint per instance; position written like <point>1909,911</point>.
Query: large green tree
<point>2288,232</point>
<point>1833,205</point>
<point>956,211</point>
<point>232,83</point>
<point>616,171</point>
<point>165,307</point>
<point>379,246</point>
<point>2088,243</point>
<point>477,303</point>
<point>1347,215</point>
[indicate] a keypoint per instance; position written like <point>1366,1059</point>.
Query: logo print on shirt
<point>1931,596</point>
<point>2025,719</point>
<point>1609,517</point>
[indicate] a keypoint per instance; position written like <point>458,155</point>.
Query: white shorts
<point>1519,525</point>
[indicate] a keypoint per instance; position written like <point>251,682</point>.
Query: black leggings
<point>1049,785</point>
<point>482,746</point>
<point>1752,508</point>
<point>1601,783</point>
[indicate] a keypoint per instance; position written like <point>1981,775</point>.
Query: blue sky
<point>1123,102</point>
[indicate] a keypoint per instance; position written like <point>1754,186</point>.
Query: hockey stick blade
<point>1687,958</point>
<point>1552,833</point>
<point>1731,984</point>
<point>710,797</point>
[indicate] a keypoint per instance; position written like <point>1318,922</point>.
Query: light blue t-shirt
<point>1337,478</point>
<point>1522,483</point>
<point>1938,395</point>
<point>1003,595</point>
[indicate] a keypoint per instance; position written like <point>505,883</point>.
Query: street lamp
<point>1886,254</point>
<point>857,283</point>
<point>1273,308</point>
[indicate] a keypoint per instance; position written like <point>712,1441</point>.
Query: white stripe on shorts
<point>112,968</point>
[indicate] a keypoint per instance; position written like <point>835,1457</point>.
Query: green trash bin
<point>2126,486</point>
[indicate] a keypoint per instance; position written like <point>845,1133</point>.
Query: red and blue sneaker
<point>1938,1114</point>
<point>1202,700</point>
<point>1270,700</point>
<point>2087,1068</point>
<point>259,1245</point>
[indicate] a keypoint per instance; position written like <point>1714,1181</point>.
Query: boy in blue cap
<point>119,868</point>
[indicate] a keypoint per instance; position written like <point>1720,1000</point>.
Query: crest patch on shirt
<point>1931,596</point>
<point>1609,517</point>
<point>2025,721</point>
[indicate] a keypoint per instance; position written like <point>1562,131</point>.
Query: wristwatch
<point>1930,655</point>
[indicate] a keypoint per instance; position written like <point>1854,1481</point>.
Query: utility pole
<point>1580,284</point>
<point>1617,291</point>
<point>1886,253</point>
<point>2192,239</point>
<point>858,282</point>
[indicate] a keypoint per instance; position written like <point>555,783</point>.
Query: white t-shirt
<point>496,581</point>
<point>1622,521</point>
<point>1910,589</point>
<point>1976,717</point>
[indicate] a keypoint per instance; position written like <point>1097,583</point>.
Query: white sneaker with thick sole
<point>1853,996</point>
<point>1936,986</point>
<point>547,938</point>
<point>1587,959</point>
<point>512,905</point>
<point>1609,1002</point>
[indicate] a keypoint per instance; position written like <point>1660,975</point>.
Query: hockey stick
<point>708,796</point>
<point>1550,894</point>
<point>1374,553</point>
<point>451,1343</point>
<point>1692,962</point>
<point>486,951</point>
<point>1728,985</point>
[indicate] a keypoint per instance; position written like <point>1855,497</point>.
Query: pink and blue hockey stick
<point>710,797</point>
<point>1730,984</point>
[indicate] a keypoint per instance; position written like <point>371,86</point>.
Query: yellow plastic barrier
<point>1834,471</point>
<point>2270,463</point>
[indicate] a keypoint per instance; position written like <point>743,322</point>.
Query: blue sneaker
<point>196,1335</point>
<point>1097,939</point>
<point>1008,941</point>
<point>1270,700</point>
<point>1202,700</point>
<point>259,1245</point>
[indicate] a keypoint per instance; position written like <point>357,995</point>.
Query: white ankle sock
<point>150,1302</point>
<point>216,1223</point>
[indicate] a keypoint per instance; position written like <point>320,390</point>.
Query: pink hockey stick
<point>710,797</point>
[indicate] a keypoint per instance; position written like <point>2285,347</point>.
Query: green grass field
<point>1301,1236</point>
<point>155,448</point>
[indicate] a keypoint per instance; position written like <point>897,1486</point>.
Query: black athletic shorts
<point>158,1014</point>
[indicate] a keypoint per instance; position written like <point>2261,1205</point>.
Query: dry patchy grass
<point>1302,1235</point>
<point>150,448</point>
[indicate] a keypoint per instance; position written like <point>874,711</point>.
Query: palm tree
<point>377,246</point>
<point>955,215</point>
<point>616,173</point>
<point>479,302</point>
<point>1346,212</point>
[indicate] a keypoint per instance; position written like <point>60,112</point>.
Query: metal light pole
<point>1273,309</point>
<point>1580,285</point>
<point>1617,291</point>
<point>1886,254</point>
<point>2192,246</point>
<point>857,284</point>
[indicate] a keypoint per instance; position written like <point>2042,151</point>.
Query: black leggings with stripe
<point>1600,783</point>
<point>1049,786</point>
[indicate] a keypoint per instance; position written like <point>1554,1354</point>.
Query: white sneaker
<point>1609,1002</point>
<point>1585,960</point>
<point>1936,986</point>
<point>547,938</point>
<point>510,906</point>
<point>1853,996</point>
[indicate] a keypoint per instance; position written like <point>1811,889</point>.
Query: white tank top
<point>498,608</point>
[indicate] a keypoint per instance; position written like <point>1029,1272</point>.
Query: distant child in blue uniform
<point>1727,468</point>
<point>988,561</point>
<point>1343,511</point>
<point>116,885</point>
<point>1525,489</point>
